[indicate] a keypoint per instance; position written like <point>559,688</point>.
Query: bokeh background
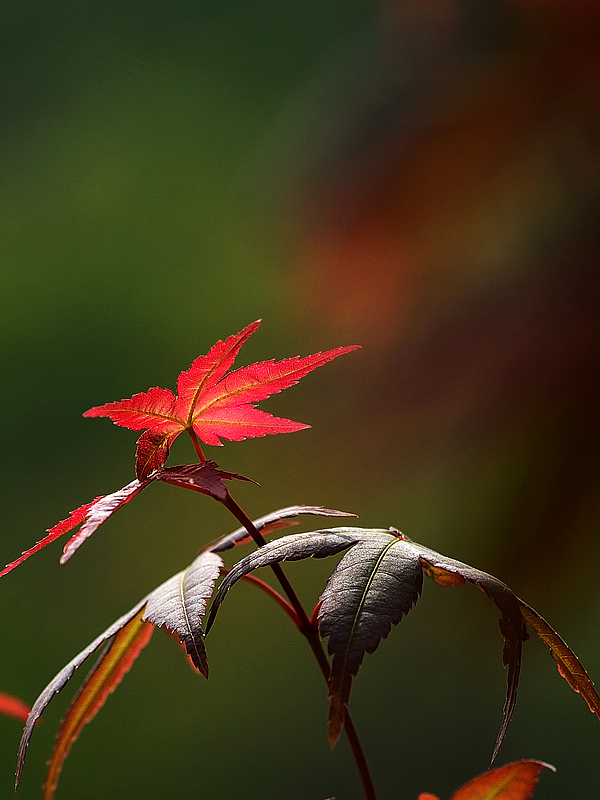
<point>420,178</point>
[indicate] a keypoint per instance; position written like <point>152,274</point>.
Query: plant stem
<point>310,631</point>
<point>197,445</point>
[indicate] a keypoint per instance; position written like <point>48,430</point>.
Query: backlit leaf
<point>569,665</point>
<point>103,679</point>
<point>205,477</point>
<point>516,781</point>
<point>60,680</point>
<point>213,403</point>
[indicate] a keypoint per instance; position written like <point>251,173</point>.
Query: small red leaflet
<point>211,403</point>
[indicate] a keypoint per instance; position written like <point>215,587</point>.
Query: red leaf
<point>76,518</point>
<point>211,402</point>
<point>516,781</point>
<point>13,707</point>
<point>90,516</point>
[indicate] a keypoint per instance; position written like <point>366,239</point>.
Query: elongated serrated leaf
<point>98,512</point>
<point>569,665</point>
<point>180,603</point>
<point>89,516</point>
<point>282,518</point>
<point>289,548</point>
<point>60,680</point>
<point>13,707</point>
<point>206,478</point>
<point>512,625</point>
<point>516,781</point>
<point>76,518</point>
<point>103,679</point>
<point>375,584</point>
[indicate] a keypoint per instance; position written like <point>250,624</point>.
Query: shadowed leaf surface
<point>291,548</point>
<point>373,586</point>
<point>180,602</point>
<point>176,605</point>
<point>205,478</point>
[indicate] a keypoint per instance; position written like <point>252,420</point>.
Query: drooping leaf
<point>512,625</point>
<point>180,603</point>
<point>569,665</point>
<point>374,585</point>
<point>103,679</point>
<point>13,707</point>
<point>211,402</point>
<point>176,605</point>
<point>60,680</point>
<point>289,548</point>
<point>283,518</point>
<point>516,781</point>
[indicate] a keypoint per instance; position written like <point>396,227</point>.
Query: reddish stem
<point>197,445</point>
<point>308,628</point>
<point>273,594</point>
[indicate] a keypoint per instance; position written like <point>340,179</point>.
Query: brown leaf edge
<point>103,679</point>
<point>569,666</point>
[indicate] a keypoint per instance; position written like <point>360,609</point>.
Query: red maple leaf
<point>211,402</point>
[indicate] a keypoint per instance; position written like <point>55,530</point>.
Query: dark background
<point>420,178</point>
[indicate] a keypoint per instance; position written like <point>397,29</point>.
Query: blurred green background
<point>420,178</point>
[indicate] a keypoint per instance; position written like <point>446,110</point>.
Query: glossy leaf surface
<point>180,602</point>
